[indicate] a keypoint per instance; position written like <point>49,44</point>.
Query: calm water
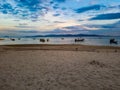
<point>101,41</point>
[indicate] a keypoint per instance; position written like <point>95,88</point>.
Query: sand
<point>59,67</point>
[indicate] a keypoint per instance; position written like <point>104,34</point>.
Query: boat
<point>79,40</point>
<point>42,40</point>
<point>113,41</point>
<point>12,39</point>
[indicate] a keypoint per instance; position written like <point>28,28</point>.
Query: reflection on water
<point>61,40</point>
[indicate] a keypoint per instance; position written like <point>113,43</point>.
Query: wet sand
<point>59,67</point>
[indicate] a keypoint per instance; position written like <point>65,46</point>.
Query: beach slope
<point>59,67</point>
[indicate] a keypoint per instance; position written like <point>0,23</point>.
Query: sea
<point>95,41</point>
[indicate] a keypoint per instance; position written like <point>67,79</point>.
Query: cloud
<point>107,16</point>
<point>16,20</point>
<point>58,22</point>
<point>21,24</point>
<point>109,29</point>
<point>56,15</point>
<point>27,27</point>
<point>24,26</point>
<point>56,6</point>
<point>80,27</point>
<point>112,26</point>
<point>114,6</point>
<point>6,8</point>
<point>24,9</point>
<point>113,32</point>
<point>60,1</point>
<point>93,7</point>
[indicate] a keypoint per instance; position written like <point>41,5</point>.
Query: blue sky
<point>32,17</point>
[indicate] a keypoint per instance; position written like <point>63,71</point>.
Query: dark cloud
<point>6,8</point>
<point>77,27</point>
<point>60,1</point>
<point>93,7</point>
<point>56,14</point>
<point>113,26</point>
<point>28,31</point>
<point>116,6</point>
<point>28,3</point>
<point>79,20</point>
<point>56,6</point>
<point>108,16</point>
<point>32,5</point>
<point>63,8</point>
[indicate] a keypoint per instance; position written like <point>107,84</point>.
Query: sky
<point>33,17</point>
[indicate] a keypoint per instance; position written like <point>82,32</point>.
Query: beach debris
<point>96,63</point>
<point>79,40</point>
<point>47,40</point>
<point>42,40</point>
<point>76,49</point>
<point>113,41</point>
<point>62,38</point>
<point>115,50</point>
<point>19,38</point>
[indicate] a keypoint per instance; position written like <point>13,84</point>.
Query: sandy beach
<point>59,67</point>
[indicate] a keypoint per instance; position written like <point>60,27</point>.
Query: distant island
<point>67,35</point>
<point>59,35</point>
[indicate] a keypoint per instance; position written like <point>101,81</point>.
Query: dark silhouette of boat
<point>113,41</point>
<point>12,39</point>
<point>79,40</point>
<point>42,40</point>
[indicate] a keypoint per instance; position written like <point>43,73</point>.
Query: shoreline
<point>64,47</point>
